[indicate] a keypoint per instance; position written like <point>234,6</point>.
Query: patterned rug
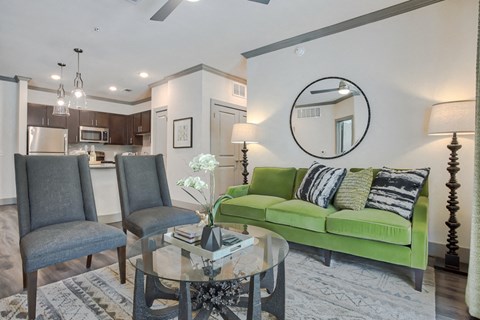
<point>352,288</point>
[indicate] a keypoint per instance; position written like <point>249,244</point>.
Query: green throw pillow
<point>354,190</point>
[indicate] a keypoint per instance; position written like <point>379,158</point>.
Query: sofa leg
<point>418,279</point>
<point>327,255</point>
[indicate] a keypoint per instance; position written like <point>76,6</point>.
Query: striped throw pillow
<point>320,184</point>
<point>397,190</point>
<point>353,192</point>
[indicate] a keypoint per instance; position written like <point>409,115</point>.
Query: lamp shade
<point>450,117</point>
<point>244,132</point>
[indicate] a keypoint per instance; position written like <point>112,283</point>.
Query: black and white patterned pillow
<point>320,184</point>
<point>397,190</point>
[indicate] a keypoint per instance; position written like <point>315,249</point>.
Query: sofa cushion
<point>299,214</point>
<point>277,182</point>
<point>251,206</point>
<point>373,224</point>
<point>320,184</point>
<point>353,192</point>
<point>397,190</point>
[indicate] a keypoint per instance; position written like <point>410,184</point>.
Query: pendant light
<point>60,108</point>
<point>78,99</point>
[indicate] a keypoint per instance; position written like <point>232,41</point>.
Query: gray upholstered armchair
<point>145,198</point>
<point>57,217</point>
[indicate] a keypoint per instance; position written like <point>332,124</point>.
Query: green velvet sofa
<point>269,202</point>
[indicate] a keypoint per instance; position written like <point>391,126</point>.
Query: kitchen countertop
<point>102,166</point>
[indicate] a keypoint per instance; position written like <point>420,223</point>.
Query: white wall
<point>404,65</point>
<point>8,139</point>
<point>189,96</point>
<point>185,100</point>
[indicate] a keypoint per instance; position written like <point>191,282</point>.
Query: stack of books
<point>190,233</point>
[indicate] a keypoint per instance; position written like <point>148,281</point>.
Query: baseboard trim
<point>438,250</point>
<point>7,201</point>
<point>110,218</point>
<point>186,205</point>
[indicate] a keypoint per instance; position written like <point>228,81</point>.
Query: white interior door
<point>222,119</point>
<point>161,134</point>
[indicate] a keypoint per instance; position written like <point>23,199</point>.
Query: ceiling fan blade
<point>261,1</point>
<point>165,11</point>
<point>323,91</point>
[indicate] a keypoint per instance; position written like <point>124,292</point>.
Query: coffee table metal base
<point>143,298</point>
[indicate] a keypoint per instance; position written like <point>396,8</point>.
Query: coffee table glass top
<point>169,262</point>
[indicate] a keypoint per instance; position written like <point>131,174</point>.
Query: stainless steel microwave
<point>93,134</point>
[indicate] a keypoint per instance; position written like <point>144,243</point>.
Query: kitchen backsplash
<point>110,150</point>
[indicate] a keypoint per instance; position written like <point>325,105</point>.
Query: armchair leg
<point>418,279</point>
<point>24,279</point>
<point>122,258</point>
<point>89,261</point>
<point>32,294</point>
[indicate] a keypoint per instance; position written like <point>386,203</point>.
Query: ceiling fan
<point>170,5</point>
<point>343,88</point>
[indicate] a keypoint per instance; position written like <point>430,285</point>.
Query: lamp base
<point>451,264</point>
<point>245,163</point>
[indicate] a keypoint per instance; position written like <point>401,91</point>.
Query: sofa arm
<point>420,234</point>
<point>238,191</point>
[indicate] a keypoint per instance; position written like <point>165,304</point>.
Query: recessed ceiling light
<point>143,74</point>
<point>193,0</point>
<point>55,77</point>
<point>112,88</point>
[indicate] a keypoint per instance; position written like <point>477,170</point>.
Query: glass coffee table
<point>202,286</point>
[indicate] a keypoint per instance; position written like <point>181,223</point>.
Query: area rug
<point>352,288</point>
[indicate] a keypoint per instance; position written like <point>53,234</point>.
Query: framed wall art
<point>182,133</point>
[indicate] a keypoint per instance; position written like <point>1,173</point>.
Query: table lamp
<point>244,133</point>
<point>456,117</point>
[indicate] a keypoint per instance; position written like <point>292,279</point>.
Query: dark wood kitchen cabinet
<point>132,139</point>
<point>141,122</point>
<point>41,115</point>
<point>94,119</point>
<point>73,123</point>
<point>118,129</point>
<point>146,118</point>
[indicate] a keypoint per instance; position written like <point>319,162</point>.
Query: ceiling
<point>36,35</point>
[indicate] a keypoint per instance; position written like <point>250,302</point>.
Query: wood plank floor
<point>449,297</point>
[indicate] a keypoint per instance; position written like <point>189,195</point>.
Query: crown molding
<point>199,67</point>
<point>356,22</point>
<point>8,79</point>
<point>15,79</point>
<point>131,103</point>
<point>21,78</point>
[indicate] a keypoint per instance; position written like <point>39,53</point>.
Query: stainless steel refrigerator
<point>47,141</point>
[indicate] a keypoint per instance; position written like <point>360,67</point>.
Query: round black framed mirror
<point>330,117</point>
